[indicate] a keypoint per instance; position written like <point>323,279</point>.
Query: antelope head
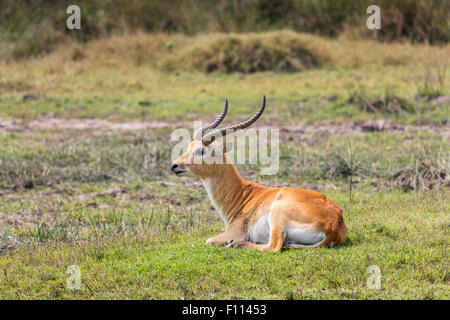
<point>206,153</point>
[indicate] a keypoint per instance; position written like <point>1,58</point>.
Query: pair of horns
<point>209,137</point>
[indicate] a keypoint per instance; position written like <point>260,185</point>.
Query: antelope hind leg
<point>249,245</point>
<point>275,244</point>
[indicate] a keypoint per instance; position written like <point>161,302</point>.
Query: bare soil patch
<point>44,123</point>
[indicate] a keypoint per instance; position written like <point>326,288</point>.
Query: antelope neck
<point>228,192</point>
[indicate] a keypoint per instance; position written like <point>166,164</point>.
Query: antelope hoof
<point>238,244</point>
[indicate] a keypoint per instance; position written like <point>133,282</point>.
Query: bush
<point>249,53</point>
<point>390,103</point>
<point>335,166</point>
<point>415,20</point>
<point>424,174</point>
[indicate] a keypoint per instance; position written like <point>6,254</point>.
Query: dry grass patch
<point>270,51</point>
<point>424,174</point>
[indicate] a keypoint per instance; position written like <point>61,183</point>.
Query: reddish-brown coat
<point>242,203</point>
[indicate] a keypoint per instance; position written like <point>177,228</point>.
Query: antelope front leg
<point>226,237</point>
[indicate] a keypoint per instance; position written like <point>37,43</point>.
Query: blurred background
<point>33,27</point>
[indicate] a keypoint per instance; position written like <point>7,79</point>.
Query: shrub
<point>414,20</point>
<point>390,103</point>
<point>335,166</point>
<point>425,174</point>
<point>248,53</point>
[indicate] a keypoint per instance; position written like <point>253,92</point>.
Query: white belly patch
<point>296,236</point>
<point>260,233</point>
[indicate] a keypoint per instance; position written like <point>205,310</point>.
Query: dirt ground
<point>48,123</point>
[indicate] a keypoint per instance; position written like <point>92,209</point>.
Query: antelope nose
<point>173,167</point>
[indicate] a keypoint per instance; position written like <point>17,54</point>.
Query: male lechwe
<point>255,216</point>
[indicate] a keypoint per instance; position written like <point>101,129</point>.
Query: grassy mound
<point>248,53</point>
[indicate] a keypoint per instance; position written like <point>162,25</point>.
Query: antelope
<point>257,217</point>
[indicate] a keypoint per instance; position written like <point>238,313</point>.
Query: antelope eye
<point>200,151</point>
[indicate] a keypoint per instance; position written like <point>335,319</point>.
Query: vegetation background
<point>34,27</point>
<point>85,123</point>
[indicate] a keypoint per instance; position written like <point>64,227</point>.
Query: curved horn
<point>209,138</point>
<point>200,132</point>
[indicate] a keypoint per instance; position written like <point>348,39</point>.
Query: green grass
<point>126,77</point>
<point>314,96</point>
<point>138,232</point>
<point>104,199</point>
<point>49,158</point>
<point>405,235</point>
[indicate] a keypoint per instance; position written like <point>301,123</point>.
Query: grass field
<point>85,179</point>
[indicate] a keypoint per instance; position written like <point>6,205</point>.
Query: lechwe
<point>257,217</point>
